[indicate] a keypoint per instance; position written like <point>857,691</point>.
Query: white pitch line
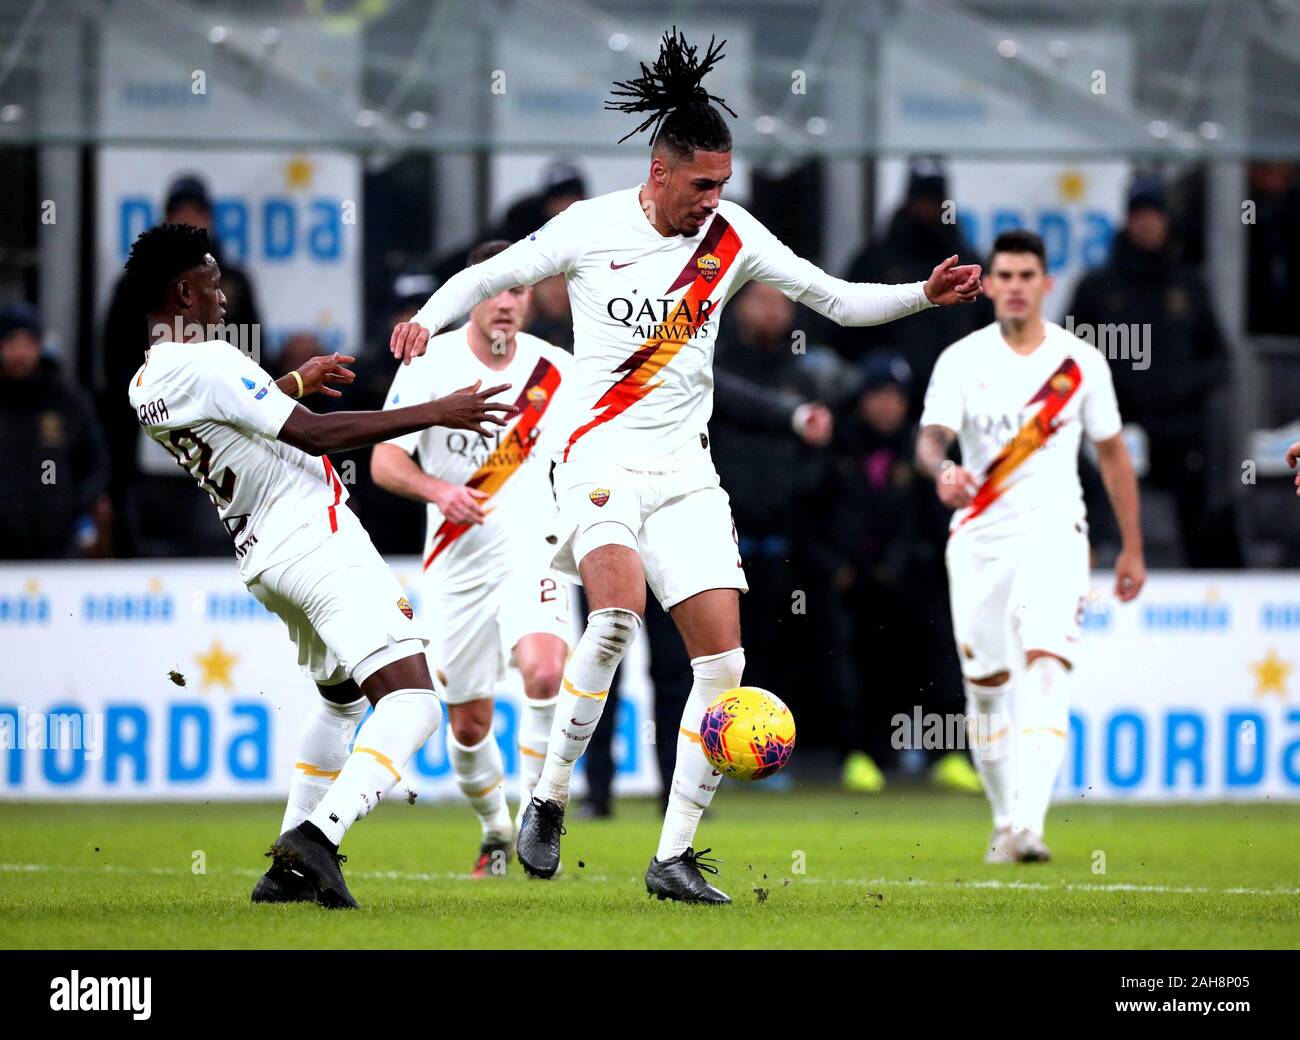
<point>992,883</point>
<point>1066,886</point>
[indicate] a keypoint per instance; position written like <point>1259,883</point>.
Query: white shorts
<point>672,510</point>
<point>475,630</point>
<point>342,605</point>
<point>1017,593</point>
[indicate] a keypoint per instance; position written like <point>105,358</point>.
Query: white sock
<point>990,728</point>
<point>534,732</point>
<point>1043,712</point>
<point>402,721</point>
<point>480,774</point>
<point>322,750</point>
<point>695,781</point>
<point>587,677</point>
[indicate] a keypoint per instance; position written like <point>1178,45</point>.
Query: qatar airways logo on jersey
<point>662,318</point>
<point>504,448</point>
<point>1009,428</point>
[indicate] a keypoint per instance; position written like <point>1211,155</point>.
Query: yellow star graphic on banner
<point>1071,185</point>
<point>298,172</point>
<point>1271,674</point>
<point>217,666</point>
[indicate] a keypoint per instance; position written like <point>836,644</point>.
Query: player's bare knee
<point>542,679</point>
<point>470,722</point>
<point>468,732</point>
<point>611,631</point>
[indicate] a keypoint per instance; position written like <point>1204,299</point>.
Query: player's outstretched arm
<point>1122,490</point>
<point>394,470</point>
<point>549,251</point>
<point>467,409</point>
<point>955,485</point>
<point>770,260</point>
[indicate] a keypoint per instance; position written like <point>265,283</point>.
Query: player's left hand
<point>321,374</point>
<point>1130,575</point>
<point>951,283</point>
<point>408,341</point>
<point>1292,457</point>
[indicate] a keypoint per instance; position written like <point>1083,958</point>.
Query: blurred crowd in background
<point>812,434</point>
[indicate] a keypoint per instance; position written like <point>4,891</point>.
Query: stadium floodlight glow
<point>1059,49</point>
<point>366,118</point>
<point>1007,48</point>
<point>618,42</point>
<point>765,124</point>
<point>11,113</point>
<point>816,125</point>
<point>1159,129</point>
<point>1210,130</point>
<point>417,120</point>
<point>270,37</point>
<point>217,34</point>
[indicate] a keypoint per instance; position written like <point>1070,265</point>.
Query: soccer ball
<point>747,733</point>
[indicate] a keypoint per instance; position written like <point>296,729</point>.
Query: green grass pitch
<point>814,868</point>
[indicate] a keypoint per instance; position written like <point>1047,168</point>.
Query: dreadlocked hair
<point>680,116</point>
<point>160,256</point>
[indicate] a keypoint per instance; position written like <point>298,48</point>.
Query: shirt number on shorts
<point>548,590</point>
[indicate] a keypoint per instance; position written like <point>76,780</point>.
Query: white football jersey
<point>512,468</point>
<point>219,414</point>
<point>646,309</point>
<point>1019,421</point>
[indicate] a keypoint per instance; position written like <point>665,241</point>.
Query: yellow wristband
<point>297,379</point>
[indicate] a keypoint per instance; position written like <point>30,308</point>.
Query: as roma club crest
<point>537,396</point>
<point>404,605</point>
<point>1062,384</point>
<point>599,497</point>
<point>709,266</point>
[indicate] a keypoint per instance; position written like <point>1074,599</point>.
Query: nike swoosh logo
<point>618,267</point>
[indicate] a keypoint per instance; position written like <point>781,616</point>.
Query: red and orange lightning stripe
<point>491,478</point>
<point>1056,393</point>
<point>642,368</point>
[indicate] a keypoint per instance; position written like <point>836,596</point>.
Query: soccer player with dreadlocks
<point>649,271</point>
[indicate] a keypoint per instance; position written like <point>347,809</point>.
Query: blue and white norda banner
<point>92,704</point>
<point>1192,693</point>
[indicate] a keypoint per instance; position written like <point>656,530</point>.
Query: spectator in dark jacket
<point>1166,388</point>
<point>53,466</point>
<point>1273,263</point>
<point>920,232</point>
<point>126,338</point>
